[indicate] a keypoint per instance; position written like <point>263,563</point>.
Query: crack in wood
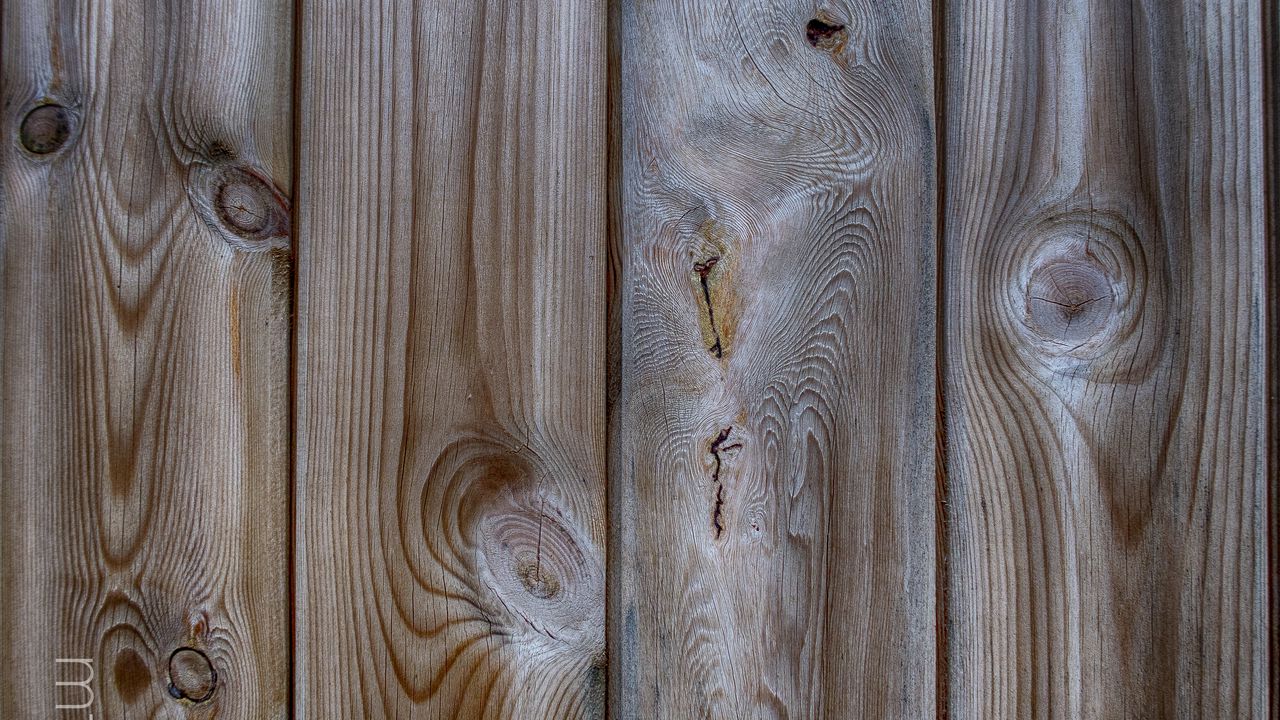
<point>717,446</point>
<point>704,269</point>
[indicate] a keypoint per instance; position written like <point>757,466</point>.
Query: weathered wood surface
<point>793,307</point>
<point>1104,311</point>
<point>1271,290</point>
<point>772,465</point>
<point>451,490</point>
<point>144,392</point>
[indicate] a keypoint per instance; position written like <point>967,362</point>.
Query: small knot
<point>824,35</point>
<point>539,581</point>
<point>191,675</point>
<point>248,205</point>
<point>45,129</point>
<point>241,203</point>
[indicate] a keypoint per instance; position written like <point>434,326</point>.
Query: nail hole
<point>824,35</point>
<point>45,129</point>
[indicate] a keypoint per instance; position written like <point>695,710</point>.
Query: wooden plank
<point>144,358</point>
<point>772,463</point>
<point>1271,112</point>
<point>450,481</point>
<point>1104,254</point>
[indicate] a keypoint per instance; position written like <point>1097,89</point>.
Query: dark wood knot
<point>241,203</point>
<point>249,206</point>
<point>45,129</point>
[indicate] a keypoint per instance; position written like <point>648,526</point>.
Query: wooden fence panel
<point>451,494</point>
<point>1104,307</point>
<point>144,330</point>
<point>772,479</point>
<point>654,359</point>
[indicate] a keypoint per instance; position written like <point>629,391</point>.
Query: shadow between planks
<point>661,359</point>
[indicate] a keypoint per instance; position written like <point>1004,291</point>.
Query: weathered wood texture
<point>772,463</point>
<point>144,398</point>
<point>1104,307</point>
<point>1271,291</point>
<point>451,489</point>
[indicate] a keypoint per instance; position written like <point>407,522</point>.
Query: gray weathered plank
<point>772,462</point>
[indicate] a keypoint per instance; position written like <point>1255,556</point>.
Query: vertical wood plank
<point>144,357</point>
<point>772,463</point>
<point>1271,111</point>
<point>450,482</point>
<point>1106,406</point>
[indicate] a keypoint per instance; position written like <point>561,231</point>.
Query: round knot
<point>1069,299</point>
<point>542,570</point>
<point>241,204</point>
<point>191,675</point>
<point>45,129</point>
<point>244,204</point>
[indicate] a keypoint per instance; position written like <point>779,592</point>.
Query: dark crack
<point>704,269</point>
<point>718,445</point>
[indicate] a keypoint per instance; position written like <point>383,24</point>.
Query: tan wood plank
<point>450,481</point>
<point>1104,254</point>
<point>772,464</point>
<point>144,358</point>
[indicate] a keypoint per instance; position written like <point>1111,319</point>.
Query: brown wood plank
<point>772,462</point>
<point>450,478</point>
<point>144,358</point>
<point>1104,254</point>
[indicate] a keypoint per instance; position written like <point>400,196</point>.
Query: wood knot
<point>192,677</point>
<point>45,129</point>
<point>538,581</point>
<point>826,35</point>
<point>1069,300</point>
<point>242,203</point>
<point>542,571</point>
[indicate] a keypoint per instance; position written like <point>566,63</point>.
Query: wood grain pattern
<point>1271,112</point>
<point>772,477</point>
<point>144,347</point>
<point>450,497</point>
<point>1105,387</point>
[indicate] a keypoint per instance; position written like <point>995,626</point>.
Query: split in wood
<point>704,269</point>
<point>718,446</point>
<point>45,129</point>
